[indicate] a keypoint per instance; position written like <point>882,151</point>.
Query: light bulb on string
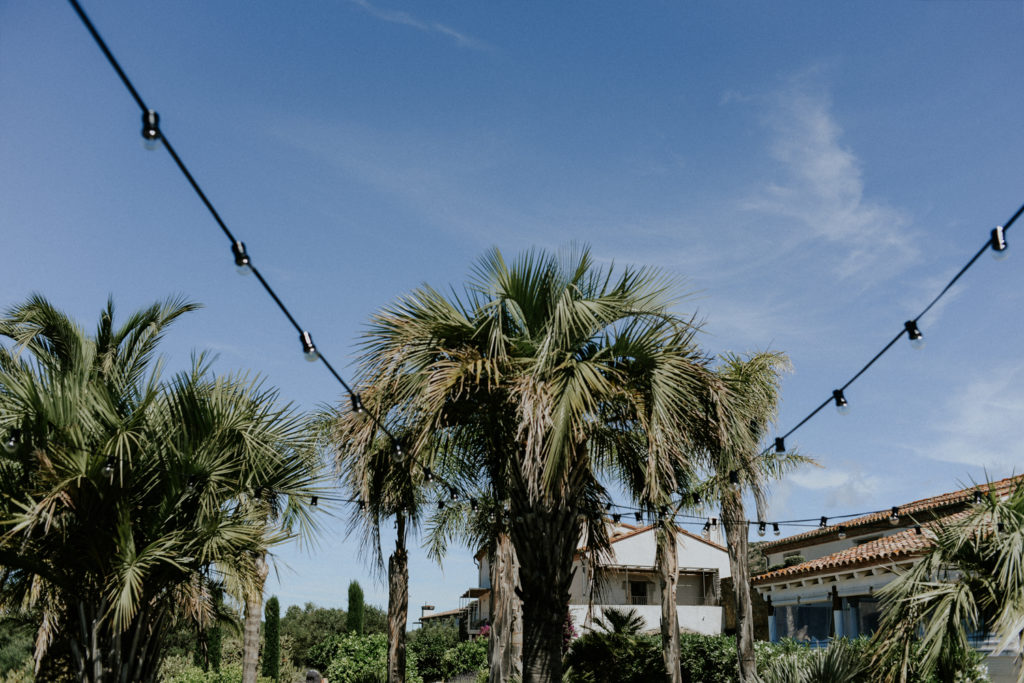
<point>998,243</point>
<point>775,528</point>
<point>473,504</point>
<point>823,523</point>
<point>308,350</point>
<point>398,455</point>
<point>734,477</point>
<point>11,442</point>
<point>314,500</point>
<point>762,529</point>
<point>914,334</point>
<point>108,468</point>
<point>842,533</point>
<point>357,403</point>
<point>638,516</point>
<point>428,476</point>
<point>242,263</point>
<point>842,405</point>
<point>150,130</point>
<point>780,444</point>
<point>894,515</point>
<point>453,494</point>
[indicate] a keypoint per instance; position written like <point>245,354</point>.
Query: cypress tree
<point>355,617</point>
<point>272,639</point>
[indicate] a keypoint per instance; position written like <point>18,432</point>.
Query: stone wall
<point>729,611</point>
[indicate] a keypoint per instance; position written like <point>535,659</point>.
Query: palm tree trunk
<point>736,531</point>
<point>503,652</point>
<point>545,543</point>
<point>398,604</point>
<point>253,611</point>
<point>667,562</point>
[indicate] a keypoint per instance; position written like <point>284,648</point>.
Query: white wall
<point>639,550</point>
<point>705,619</point>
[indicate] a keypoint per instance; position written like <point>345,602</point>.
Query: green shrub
<point>793,560</point>
<point>598,657</point>
<point>708,659</point>
<point>430,644</point>
<point>320,655</point>
<point>229,673</point>
<point>363,659</point>
<point>465,657</point>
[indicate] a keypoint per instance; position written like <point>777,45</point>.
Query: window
<point>638,592</point>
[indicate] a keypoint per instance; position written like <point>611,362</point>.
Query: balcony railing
<point>638,599</point>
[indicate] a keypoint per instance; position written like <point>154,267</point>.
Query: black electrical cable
<point>223,226</point>
<point>284,309</point>
<point>903,331</point>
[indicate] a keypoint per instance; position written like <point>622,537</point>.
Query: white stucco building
<point>626,579</point>
<point>829,589</point>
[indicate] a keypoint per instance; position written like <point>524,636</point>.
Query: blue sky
<point>815,171</point>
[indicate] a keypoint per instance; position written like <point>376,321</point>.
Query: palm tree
<point>124,495</point>
<point>739,466</point>
<point>555,351</point>
<point>387,484</point>
<point>968,581</point>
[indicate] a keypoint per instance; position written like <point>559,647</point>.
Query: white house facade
<point>828,590</point>
<point>625,578</point>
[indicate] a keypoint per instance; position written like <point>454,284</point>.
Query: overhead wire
<point>149,116</point>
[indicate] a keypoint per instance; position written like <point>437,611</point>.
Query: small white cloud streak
<point>406,19</point>
<point>982,425</point>
<point>842,489</point>
<point>824,187</point>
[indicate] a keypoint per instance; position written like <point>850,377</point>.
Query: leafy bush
<point>430,644</point>
<point>229,673</point>
<point>465,657</point>
<point>16,643</point>
<point>709,659</point>
<point>319,656</point>
<point>363,659</point>
<point>598,657</point>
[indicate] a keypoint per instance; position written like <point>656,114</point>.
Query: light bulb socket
<point>428,476</point>
<point>842,533</point>
<point>917,529</point>
<point>11,442</point>
<point>780,444</point>
<point>775,529</point>
<point>242,263</point>
<point>357,403</point>
<point>314,500</point>
<point>638,516</point>
<point>473,505</point>
<point>150,129</point>
<point>108,467</point>
<point>894,515</point>
<point>998,243</point>
<point>440,505</point>
<point>762,529</point>
<point>914,334</point>
<point>397,454</point>
<point>696,499</point>
<point>842,405</point>
<point>823,523</point>
<point>308,349</point>
<point>616,517</point>
<point>453,494</point>
<point>734,477</point>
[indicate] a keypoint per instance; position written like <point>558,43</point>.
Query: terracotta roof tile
<point>935,503</point>
<point>903,544</point>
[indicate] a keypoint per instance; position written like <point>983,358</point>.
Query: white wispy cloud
<point>983,424</point>
<point>406,19</point>
<point>841,489</point>
<point>822,188</point>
